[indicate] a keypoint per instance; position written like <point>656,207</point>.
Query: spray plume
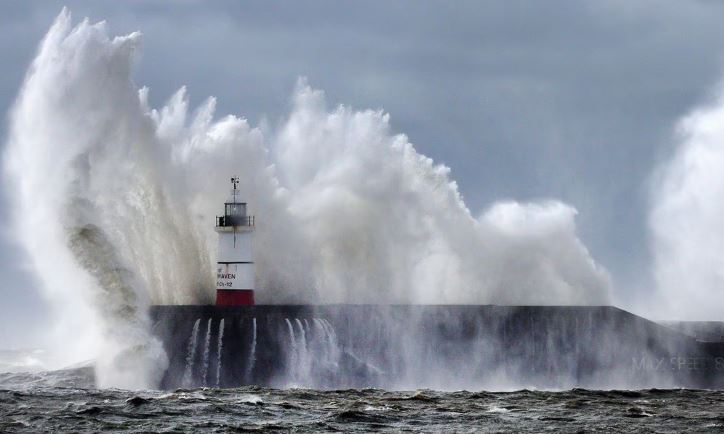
<point>687,221</point>
<point>115,201</point>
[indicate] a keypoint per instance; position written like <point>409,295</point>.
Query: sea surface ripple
<point>62,402</point>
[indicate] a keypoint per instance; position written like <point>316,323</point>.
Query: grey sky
<point>523,100</point>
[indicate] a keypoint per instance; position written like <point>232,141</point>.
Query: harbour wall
<point>445,347</point>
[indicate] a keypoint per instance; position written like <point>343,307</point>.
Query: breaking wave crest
<point>121,200</point>
<point>686,218</point>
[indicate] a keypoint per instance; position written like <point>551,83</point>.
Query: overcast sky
<point>523,100</point>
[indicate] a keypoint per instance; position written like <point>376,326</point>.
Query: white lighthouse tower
<point>235,263</point>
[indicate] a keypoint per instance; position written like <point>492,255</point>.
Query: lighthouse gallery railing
<point>226,221</point>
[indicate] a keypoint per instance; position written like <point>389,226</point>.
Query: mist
<point>686,221</point>
<point>122,196</point>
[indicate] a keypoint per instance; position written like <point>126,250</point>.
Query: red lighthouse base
<point>235,297</point>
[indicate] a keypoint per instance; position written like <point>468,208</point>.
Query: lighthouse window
<point>236,209</point>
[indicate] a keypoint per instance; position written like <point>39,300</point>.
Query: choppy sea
<point>66,401</point>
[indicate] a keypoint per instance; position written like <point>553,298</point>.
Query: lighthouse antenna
<point>234,183</point>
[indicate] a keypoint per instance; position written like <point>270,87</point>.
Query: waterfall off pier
<point>443,347</point>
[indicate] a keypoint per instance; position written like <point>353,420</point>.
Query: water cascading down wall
<point>441,347</point>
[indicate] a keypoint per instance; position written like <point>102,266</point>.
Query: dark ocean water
<point>63,401</point>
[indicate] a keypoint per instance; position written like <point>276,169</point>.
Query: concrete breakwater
<point>445,347</point>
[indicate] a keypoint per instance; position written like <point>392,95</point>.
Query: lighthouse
<point>235,262</point>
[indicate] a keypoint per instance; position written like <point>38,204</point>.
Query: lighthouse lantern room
<point>235,263</point>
